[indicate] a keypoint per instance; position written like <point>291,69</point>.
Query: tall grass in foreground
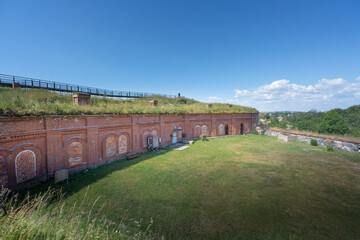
<point>44,217</point>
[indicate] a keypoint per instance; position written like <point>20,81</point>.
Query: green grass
<point>243,187</point>
<point>44,216</point>
<point>35,102</point>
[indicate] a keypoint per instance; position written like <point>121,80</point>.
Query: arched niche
<point>110,146</point>
<point>25,166</point>
<point>74,151</point>
<point>221,129</point>
<point>123,143</point>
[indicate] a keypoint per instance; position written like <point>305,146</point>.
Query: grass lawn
<point>243,187</point>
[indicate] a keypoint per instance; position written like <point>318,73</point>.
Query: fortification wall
<point>33,148</point>
<point>322,141</point>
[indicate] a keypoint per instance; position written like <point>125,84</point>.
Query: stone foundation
<point>337,144</point>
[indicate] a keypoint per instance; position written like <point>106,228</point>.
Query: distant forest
<point>335,121</point>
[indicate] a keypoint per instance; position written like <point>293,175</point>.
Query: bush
<point>333,122</point>
<point>255,132</point>
<point>313,142</point>
<point>329,148</point>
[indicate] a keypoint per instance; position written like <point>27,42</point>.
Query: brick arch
<point>197,130</point>
<point>203,126</point>
<point>109,145</point>
<point>221,128</point>
<point>24,163</point>
<point>153,131</point>
<point>123,142</point>
<point>25,166</point>
<point>204,129</point>
<point>179,132</point>
<point>74,151</point>
<point>176,126</point>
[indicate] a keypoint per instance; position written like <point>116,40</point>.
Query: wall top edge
<point>120,115</point>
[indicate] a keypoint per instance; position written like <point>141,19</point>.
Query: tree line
<point>335,121</point>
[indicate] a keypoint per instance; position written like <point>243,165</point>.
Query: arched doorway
<point>242,129</point>
<point>226,129</point>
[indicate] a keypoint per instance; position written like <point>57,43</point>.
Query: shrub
<point>333,122</point>
<point>255,132</point>
<point>329,148</point>
<point>313,142</point>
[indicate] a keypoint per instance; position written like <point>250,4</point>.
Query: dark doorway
<point>226,129</point>
<point>242,129</point>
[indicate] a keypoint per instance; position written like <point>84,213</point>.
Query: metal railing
<point>24,82</point>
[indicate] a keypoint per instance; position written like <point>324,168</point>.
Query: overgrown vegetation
<point>43,216</point>
<point>336,121</point>
<point>243,187</point>
<point>35,102</point>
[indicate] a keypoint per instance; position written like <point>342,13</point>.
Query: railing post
<point>13,84</point>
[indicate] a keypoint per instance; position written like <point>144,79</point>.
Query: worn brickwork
<point>75,154</point>
<point>32,148</point>
<point>3,172</point>
<point>25,166</point>
<point>123,144</point>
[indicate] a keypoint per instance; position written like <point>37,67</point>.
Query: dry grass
<point>44,217</point>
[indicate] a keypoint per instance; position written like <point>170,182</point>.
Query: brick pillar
<point>187,126</point>
<point>162,129</point>
<point>93,145</point>
<point>233,125</point>
<point>136,138</point>
<point>54,151</point>
<point>213,125</point>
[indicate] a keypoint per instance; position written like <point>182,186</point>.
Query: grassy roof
<point>35,102</point>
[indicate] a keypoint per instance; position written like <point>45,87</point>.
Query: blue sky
<point>272,55</point>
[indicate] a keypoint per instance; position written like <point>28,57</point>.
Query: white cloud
<point>358,78</point>
<point>282,94</point>
<point>214,98</point>
<point>241,93</point>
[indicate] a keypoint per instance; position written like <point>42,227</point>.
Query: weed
<point>329,148</point>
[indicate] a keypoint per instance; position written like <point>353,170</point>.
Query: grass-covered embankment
<point>35,102</point>
<point>243,187</point>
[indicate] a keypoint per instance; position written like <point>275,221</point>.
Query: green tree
<point>333,122</point>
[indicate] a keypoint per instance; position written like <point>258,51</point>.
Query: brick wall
<point>33,148</point>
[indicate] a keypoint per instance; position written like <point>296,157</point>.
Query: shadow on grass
<point>79,180</point>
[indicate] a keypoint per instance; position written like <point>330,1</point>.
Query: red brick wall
<point>32,148</point>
